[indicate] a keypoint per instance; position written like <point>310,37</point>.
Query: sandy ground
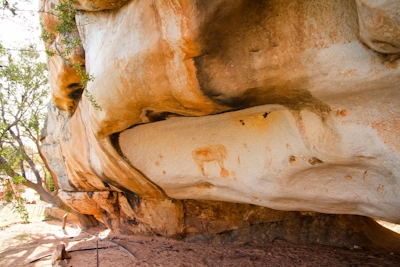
<point>22,243</point>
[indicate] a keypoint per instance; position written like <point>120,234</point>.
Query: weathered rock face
<point>273,104</point>
<point>380,25</point>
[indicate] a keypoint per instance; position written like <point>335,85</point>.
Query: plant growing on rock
<point>66,27</point>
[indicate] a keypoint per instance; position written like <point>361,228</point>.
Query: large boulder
<point>204,115</point>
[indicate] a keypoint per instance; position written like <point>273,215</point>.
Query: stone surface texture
<point>223,118</point>
<point>380,24</point>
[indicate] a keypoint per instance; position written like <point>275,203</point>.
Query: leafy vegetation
<point>23,92</point>
<point>66,16</point>
<point>24,95</point>
<point>85,79</point>
<point>67,28</point>
<point>23,103</point>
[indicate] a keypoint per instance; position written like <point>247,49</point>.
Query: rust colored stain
<point>224,172</point>
<point>238,160</point>
<point>392,64</point>
<point>343,113</point>
<point>211,153</point>
<point>348,177</point>
<point>388,131</point>
<point>157,163</point>
<point>164,172</point>
<point>292,159</point>
<point>287,146</point>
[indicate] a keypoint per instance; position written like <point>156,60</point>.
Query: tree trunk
<point>86,221</point>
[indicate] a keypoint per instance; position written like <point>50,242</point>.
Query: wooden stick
<point>120,247</point>
<point>107,240</point>
<point>69,251</point>
<point>64,220</point>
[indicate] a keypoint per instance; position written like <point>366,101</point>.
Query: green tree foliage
<point>23,105</point>
<point>23,98</point>
<point>15,121</point>
<point>22,94</point>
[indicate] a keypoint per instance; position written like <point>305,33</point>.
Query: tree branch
<point>32,164</point>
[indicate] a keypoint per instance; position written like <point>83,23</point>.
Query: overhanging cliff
<point>215,112</point>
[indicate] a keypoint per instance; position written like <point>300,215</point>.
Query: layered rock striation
<point>219,119</point>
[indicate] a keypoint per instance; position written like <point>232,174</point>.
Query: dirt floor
<point>22,243</point>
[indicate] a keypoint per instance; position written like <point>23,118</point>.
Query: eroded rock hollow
<point>230,121</point>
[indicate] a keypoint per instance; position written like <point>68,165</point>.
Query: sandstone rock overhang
<point>281,104</point>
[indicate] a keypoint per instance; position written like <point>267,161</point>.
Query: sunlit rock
<point>288,105</point>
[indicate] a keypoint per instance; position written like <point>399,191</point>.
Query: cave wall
<point>213,112</point>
